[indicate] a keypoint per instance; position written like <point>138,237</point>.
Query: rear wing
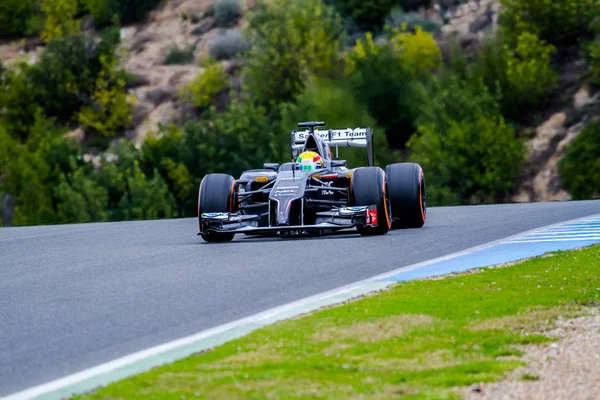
<point>358,137</point>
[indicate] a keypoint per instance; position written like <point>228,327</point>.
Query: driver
<point>309,161</point>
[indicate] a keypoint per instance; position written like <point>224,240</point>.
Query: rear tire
<point>369,187</point>
<point>407,195</point>
<point>217,193</point>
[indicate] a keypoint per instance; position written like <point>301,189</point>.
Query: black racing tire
<point>217,193</point>
<point>369,187</point>
<point>406,184</point>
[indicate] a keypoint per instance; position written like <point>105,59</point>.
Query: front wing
<point>341,218</point>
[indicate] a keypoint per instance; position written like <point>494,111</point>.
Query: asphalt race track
<point>74,296</point>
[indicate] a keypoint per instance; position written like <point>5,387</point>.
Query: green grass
<point>421,339</point>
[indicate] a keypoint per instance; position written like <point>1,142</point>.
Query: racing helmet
<point>309,161</point>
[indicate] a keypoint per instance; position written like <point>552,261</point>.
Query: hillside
<point>165,59</point>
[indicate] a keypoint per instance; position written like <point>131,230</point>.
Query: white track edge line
<point>103,368</point>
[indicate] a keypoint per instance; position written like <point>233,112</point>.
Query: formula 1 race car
<point>314,194</point>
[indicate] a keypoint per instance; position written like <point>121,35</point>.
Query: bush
<point>80,199</point>
<point>228,45</point>
<point>170,156</point>
<point>241,138</point>
<point>370,15</point>
<point>336,104</point>
<point>60,83</point>
<point>60,19</point>
<point>419,52</point>
<point>580,168</point>
<point>521,77</point>
<point>19,18</point>
<point>227,12</point>
<point>558,22</point>
<point>112,108</point>
<point>414,5</point>
<point>409,21</point>
<point>31,171</point>
<point>175,55</point>
<point>290,41</point>
<point>385,87</point>
<point>591,51</point>
<point>64,80</point>
<point>594,60</point>
<point>201,90</point>
<point>468,152</point>
<point>106,12</point>
<point>529,72</point>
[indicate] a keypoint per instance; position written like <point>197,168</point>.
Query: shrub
<point>60,83</point>
<point>419,52</point>
<point>409,21</point>
<point>591,51</point>
<point>364,47</point>
<point>580,168</point>
<point>227,12</point>
<point>529,72</point>
<point>367,15</point>
<point>18,101</point>
<point>80,199</point>
<point>132,193</point>
<point>558,22</point>
<point>385,87</point>
<point>19,18</point>
<point>594,59</point>
<point>32,168</point>
<point>335,103</point>
<point>175,55</point>
<point>521,77</point>
<point>201,90</point>
<point>105,12</point>
<point>288,44</point>
<point>228,45</point>
<point>111,107</point>
<point>241,138</point>
<point>370,15</point>
<point>383,78</point>
<point>469,153</point>
<point>60,19</point>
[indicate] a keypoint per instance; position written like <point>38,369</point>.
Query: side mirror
<point>338,163</point>
<point>271,166</point>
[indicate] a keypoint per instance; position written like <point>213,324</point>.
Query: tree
<point>370,15</point>
<point>335,103</point>
<point>580,168</point>
<point>60,19</point>
<point>469,153</point>
<point>111,107</point>
<point>290,39</point>
<point>521,76</point>
<point>19,18</point>
<point>385,87</point>
<point>558,22</point>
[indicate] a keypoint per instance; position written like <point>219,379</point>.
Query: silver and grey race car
<point>287,201</point>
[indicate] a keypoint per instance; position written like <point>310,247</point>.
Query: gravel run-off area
<point>568,368</point>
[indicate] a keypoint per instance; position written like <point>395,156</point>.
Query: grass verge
<point>420,339</point>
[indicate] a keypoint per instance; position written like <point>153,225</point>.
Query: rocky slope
<point>185,23</point>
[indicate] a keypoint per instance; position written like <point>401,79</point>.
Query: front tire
<point>407,194</point>
<point>369,187</point>
<point>217,193</point>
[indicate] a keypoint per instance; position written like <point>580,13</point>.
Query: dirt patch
<point>425,361</point>
<point>253,357</point>
<point>375,331</point>
<point>538,318</point>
